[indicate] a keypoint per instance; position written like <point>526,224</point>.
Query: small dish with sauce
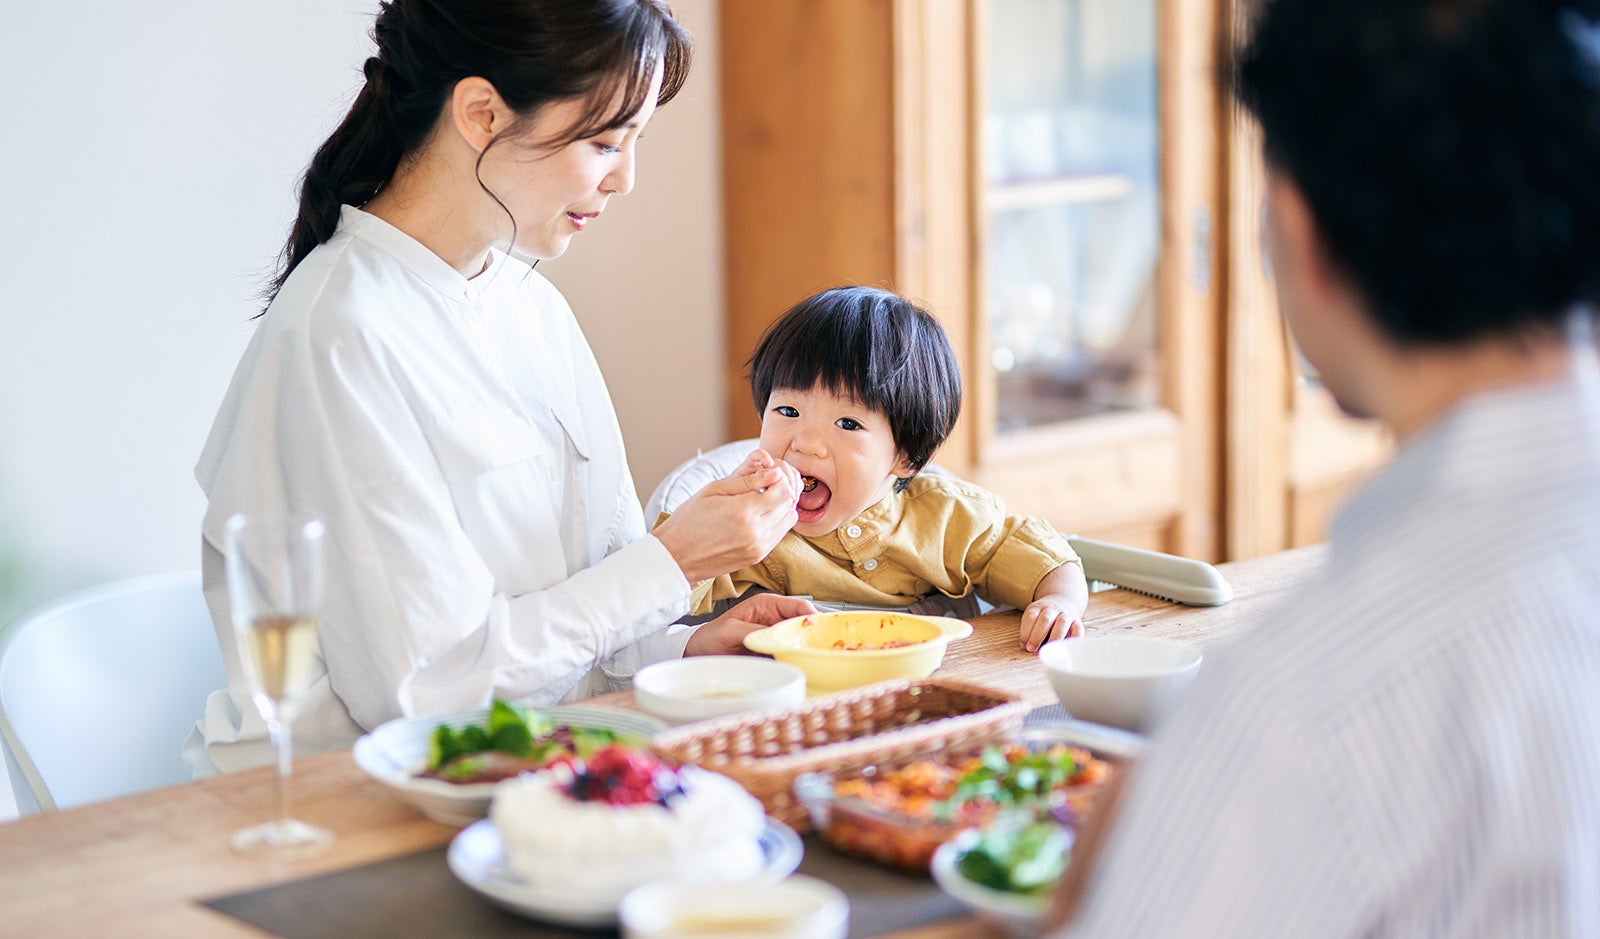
<point>695,688</point>
<point>797,907</point>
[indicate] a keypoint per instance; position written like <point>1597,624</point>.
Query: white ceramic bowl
<point>393,753</point>
<point>1021,915</point>
<point>702,686</point>
<point>1123,681</point>
<point>797,907</point>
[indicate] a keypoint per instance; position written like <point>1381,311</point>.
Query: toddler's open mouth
<point>814,497</point>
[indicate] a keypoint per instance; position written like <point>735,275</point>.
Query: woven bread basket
<point>765,751</point>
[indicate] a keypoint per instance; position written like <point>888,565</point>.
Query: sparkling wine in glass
<point>274,571</point>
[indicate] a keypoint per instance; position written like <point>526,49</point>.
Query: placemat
<point>417,896</point>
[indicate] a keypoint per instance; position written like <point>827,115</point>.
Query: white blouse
<point>456,437</point>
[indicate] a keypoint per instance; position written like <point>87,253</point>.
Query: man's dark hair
<point>871,345</point>
<point>1448,149</point>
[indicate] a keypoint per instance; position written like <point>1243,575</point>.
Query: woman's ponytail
<point>532,51</point>
<point>349,168</point>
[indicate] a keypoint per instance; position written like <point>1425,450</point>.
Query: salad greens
<point>516,730</point>
<point>1017,854</point>
<point>1009,780</point>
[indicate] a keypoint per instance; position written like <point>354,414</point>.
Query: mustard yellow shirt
<point>939,534</point>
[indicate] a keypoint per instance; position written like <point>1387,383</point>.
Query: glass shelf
<point>1061,190</point>
<point>1072,227</point>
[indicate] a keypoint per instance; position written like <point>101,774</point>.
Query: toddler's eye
<point>848,423</point>
<point>786,410</point>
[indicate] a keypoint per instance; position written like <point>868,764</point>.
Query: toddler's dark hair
<point>875,347</point>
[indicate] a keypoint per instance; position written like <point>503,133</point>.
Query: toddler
<point>857,388</point>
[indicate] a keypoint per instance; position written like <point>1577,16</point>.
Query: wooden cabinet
<point>1063,184</point>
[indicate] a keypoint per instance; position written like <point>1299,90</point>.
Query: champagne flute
<point>274,572</point>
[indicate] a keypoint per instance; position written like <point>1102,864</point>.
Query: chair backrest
<point>98,689</point>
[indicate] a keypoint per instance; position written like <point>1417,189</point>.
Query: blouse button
<point>854,531</point>
<point>870,564</point>
<point>471,293</point>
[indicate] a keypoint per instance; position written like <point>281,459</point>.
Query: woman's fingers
<point>731,523</point>
<point>725,634</point>
<point>769,608</point>
<point>757,460</point>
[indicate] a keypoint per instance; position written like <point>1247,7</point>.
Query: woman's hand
<point>725,634</point>
<point>733,522</point>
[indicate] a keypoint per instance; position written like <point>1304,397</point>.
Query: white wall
<point>149,159</point>
<point>146,181</point>
<point>646,280</point>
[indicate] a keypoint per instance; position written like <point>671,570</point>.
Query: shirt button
<point>870,564</point>
<point>854,531</point>
<point>471,293</point>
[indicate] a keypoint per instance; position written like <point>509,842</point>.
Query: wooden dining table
<point>142,865</point>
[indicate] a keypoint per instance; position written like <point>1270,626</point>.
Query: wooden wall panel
<point>807,159</point>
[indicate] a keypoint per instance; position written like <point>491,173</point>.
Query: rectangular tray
<point>856,826</point>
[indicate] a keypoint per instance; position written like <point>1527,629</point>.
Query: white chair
<point>1165,576</point>
<point>99,688</point>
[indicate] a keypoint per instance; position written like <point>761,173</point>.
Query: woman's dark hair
<point>1448,149</point>
<point>875,347</point>
<point>534,52</point>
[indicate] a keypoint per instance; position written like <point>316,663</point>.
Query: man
<point>1410,747</point>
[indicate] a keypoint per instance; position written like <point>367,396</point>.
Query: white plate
<point>476,859</point>
<point>1020,914</point>
<point>393,753</point>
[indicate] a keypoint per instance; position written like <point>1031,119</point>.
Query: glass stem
<point>278,729</point>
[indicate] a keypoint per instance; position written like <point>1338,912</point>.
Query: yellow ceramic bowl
<point>859,647</point>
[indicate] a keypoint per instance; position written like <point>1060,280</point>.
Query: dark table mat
<point>416,895</point>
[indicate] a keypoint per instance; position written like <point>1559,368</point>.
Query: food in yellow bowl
<point>859,647</point>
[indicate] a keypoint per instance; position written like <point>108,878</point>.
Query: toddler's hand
<point>1048,618</point>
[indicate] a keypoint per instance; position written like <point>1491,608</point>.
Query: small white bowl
<point>797,907</point>
<point>1123,681</point>
<point>702,686</point>
<point>1021,915</point>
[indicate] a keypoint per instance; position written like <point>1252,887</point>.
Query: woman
<point>423,390</point>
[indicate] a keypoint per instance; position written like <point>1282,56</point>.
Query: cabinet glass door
<point>1071,207</point>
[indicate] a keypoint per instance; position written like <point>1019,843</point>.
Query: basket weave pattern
<point>764,752</point>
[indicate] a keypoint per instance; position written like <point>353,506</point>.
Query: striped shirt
<point>1411,746</point>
